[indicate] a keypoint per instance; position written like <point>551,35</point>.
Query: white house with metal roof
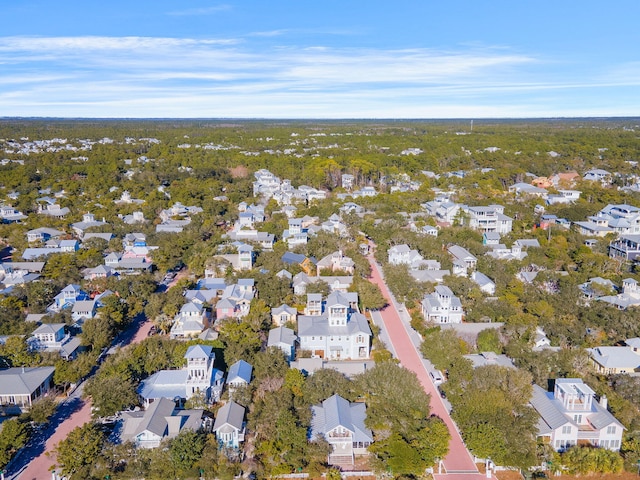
<point>570,415</point>
<point>239,375</point>
<point>341,423</point>
<point>339,331</point>
<point>285,339</point>
<point>21,386</point>
<point>198,376</point>
<point>147,429</point>
<point>192,319</point>
<point>617,359</point>
<point>442,306</point>
<point>229,426</point>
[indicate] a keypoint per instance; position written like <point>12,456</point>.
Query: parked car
<point>437,377</point>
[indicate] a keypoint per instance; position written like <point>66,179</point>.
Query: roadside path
<point>458,461</point>
<point>37,459</point>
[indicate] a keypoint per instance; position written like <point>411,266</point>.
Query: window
<point>615,444</point>
<point>577,418</point>
<point>566,429</point>
<point>611,429</point>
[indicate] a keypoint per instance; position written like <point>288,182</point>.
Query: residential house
<point>486,285</point>
<point>295,234</point>
<point>49,207</point>
<point>21,386</point>
<point>341,423</point>
<point>199,376</point>
<point>339,332</point>
<point>239,375</point>
<point>525,189</point>
<point>347,181</point>
<point>88,221</point>
<point>598,175</point>
<point>489,219</point>
<point>629,297</point>
<point>570,416</point>
<point>283,314</point>
<point>490,238</point>
<point>597,287</point>
<point>404,255</point>
<point>563,197</point>
<point>101,271</point>
<point>501,252</point>
<point>336,262</point>
<point>617,359</point>
<point>8,214</point>
<point>229,426</point>
<point>160,421</point>
<point>463,260</point>
<point>626,247</point>
<point>484,359</point>
<point>83,310</point>
<point>351,207</point>
<point>236,299</point>
<point>43,234</point>
<point>285,339</point>
<point>67,297</point>
<point>308,264</point>
<point>192,319</point>
<point>442,306</point>
<point>51,337</point>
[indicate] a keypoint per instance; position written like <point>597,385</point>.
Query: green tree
<point>13,436</point>
<point>110,394</point>
<point>77,453</point>
<point>17,353</point>
<point>489,341</point>
<point>186,450</point>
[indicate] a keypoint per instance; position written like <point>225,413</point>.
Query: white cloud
<point>160,77</point>
<point>200,11</point>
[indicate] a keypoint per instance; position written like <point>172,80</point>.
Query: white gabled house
<point>442,306</point>
<point>334,329</point>
<point>229,426</point>
<point>341,423</point>
<point>570,415</point>
<point>199,376</point>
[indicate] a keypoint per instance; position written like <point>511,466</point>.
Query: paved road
<point>36,460</point>
<point>458,461</point>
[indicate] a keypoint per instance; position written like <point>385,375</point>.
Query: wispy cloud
<point>200,11</point>
<point>158,76</point>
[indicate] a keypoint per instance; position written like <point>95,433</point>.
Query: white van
<point>437,377</point>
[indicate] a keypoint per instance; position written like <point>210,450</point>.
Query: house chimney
<point>603,401</point>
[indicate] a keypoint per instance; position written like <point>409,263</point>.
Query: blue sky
<point>312,59</point>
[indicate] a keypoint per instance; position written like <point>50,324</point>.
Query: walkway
<point>458,461</point>
<point>73,412</point>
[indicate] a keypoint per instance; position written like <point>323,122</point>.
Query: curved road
<point>458,461</point>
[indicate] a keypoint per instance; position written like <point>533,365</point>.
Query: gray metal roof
<point>282,335</point>
<point>240,370</point>
<point>551,417</point>
<point>23,381</point>
<point>164,384</point>
<point>335,412</point>
<point>231,414</point>
<point>198,351</point>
